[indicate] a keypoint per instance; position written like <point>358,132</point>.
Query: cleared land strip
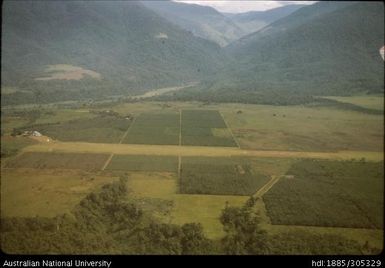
<point>266,187</point>
<point>120,142</point>
<point>107,162</point>
<point>161,91</point>
<point>231,132</point>
<point>125,133</point>
<point>180,127</point>
<point>135,149</point>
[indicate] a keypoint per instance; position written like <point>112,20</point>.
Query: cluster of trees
<point>252,94</point>
<point>160,238</point>
<point>243,233</point>
<point>344,106</point>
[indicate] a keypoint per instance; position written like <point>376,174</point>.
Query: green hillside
<point>324,49</point>
<point>78,50</point>
<point>129,46</point>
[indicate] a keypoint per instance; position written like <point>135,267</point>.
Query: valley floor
<point>35,182</point>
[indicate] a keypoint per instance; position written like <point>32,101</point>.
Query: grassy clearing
<point>67,72</point>
<point>143,163</point>
<point>154,128</point>
<point>271,166</point>
<point>205,128</point>
<point>154,191</point>
<point>27,193</point>
<point>370,102</point>
<point>298,128</point>
<point>328,193</point>
<point>219,176</point>
<point>58,161</point>
<point>205,209</point>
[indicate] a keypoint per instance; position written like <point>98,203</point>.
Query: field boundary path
<point>265,188</point>
<point>231,132</point>
<point>128,129</point>
<point>180,127</point>
<point>107,161</point>
<point>179,172</point>
<point>120,142</point>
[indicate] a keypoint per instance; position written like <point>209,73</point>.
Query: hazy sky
<point>243,6</point>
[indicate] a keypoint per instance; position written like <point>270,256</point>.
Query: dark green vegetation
<point>155,128</point>
<point>328,48</point>
<point>143,163</point>
<point>219,176</point>
<point>58,160</point>
<point>323,102</point>
<point>199,128</point>
<point>104,222</point>
<point>211,92</point>
<point>131,47</point>
<point>243,233</point>
<point>308,243</point>
<point>102,128</point>
<point>244,236</point>
<point>205,127</point>
<point>11,146</point>
<point>329,193</point>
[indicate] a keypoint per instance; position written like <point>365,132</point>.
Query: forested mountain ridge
<point>130,47</point>
<point>78,50</point>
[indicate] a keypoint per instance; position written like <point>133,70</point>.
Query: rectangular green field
<point>219,176</point>
<point>103,129</point>
<point>58,161</point>
<point>144,163</point>
<point>155,128</point>
<point>202,119</point>
<point>329,193</point>
<point>205,128</point>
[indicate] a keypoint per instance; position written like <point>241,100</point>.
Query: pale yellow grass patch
<point>31,192</point>
<point>221,132</point>
<point>152,185</point>
<point>67,72</point>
